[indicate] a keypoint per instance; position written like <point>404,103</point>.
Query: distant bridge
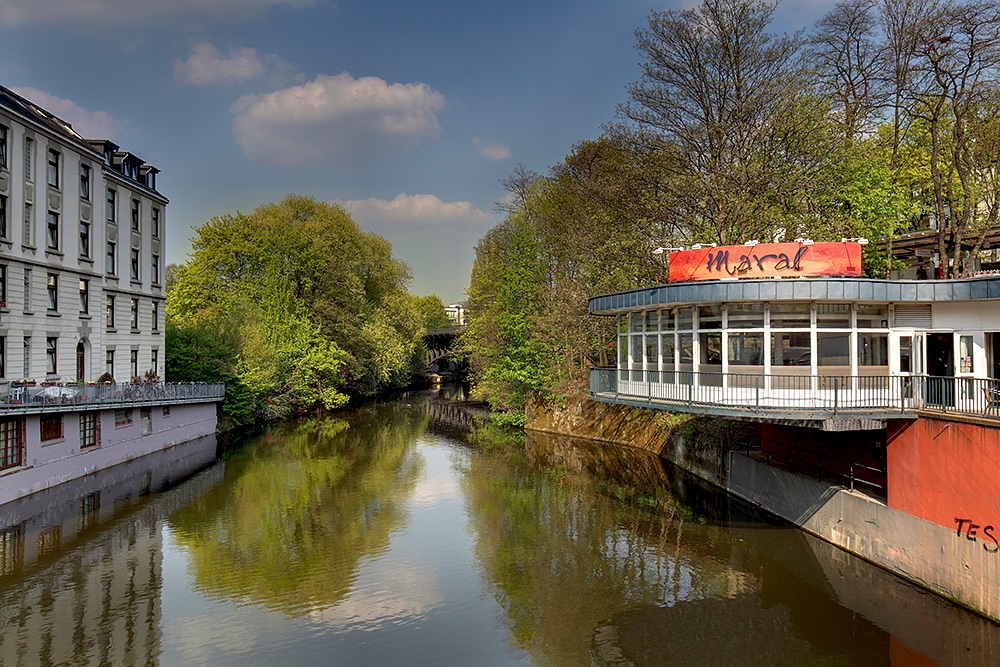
<point>439,343</point>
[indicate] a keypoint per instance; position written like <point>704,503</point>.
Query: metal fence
<point>806,396</point>
<point>32,398</point>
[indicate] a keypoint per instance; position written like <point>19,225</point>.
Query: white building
<point>82,240</point>
<point>82,234</point>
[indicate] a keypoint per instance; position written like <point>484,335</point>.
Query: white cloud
<point>90,124</point>
<point>414,209</point>
<point>104,13</point>
<point>337,120</point>
<point>206,66</point>
<point>491,151</point>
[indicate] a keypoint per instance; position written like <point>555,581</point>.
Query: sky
<point>407,114</point>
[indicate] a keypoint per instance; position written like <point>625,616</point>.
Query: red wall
<point>946,470</point>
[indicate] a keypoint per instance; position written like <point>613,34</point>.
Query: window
<point>873,350</point>
<point>133,360</point>
<point>51,427</point>
<point>3,146</point>
<point>154,361</point>
<point>745,315</point>
<point>54,168</point>
<point>53,231</point>
<point>29,226</point>
<point>84,182</point>
<point>109,363</point>
<point>155,316</point>
<point>51,365</point>
<point>109,308</point>
<point>134,263</point>
<point>133,313</point>
<point>790,315</point>
<point>833,349</point>
<point>3,284</point>
<point>27,291</point>
<point>123,417</point>
<point>154,268</point>
<point>84,296</point>
<point>111,261</point>
<point>135,214</point>
<point>88,430</point>
<point>112,205</point>
<point>154,221</point>
<point>11,442</point>
<point>833,316</point>
<point>790,349</point>
<point>3,356</point>
<point>52,291</point>
<point>26,371</point>
<point>84,239</point>
<point>29,148</point>
<point>3,217</point>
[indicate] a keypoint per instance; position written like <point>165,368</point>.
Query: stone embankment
<point>696,444</point>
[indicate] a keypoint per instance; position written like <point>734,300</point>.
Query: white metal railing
<point>734,393</point>
<point>26,398</point>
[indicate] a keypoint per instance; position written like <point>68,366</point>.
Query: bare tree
<point>845,57</point>
<point>725,95</point>
<point>958,48</point>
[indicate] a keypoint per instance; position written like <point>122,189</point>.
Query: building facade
<point>878,402</point>
<point>82,241</point>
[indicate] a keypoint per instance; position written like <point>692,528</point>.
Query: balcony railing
<point>802,397</point>
<point>45,398</point>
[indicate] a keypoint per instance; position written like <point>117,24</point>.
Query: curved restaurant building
<point>877,399</point>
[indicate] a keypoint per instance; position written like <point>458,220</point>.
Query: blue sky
<point>406,113</point>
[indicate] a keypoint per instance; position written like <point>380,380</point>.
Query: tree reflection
<point>300,506</point>
<point>562,553</point>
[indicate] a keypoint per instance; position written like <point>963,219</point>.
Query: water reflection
<point>82,562</point>
<point>413,531</point>
<point>300,508</point>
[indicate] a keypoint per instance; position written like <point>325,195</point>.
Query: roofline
<point>797,289</point>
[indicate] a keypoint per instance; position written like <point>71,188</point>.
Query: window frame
<point>51,355</point>
<point>52,292</point>
<point>52,231</point>
<point>85,182</point>
<point>52,173</point>
<point>11,442</point>
<point>50,427</point>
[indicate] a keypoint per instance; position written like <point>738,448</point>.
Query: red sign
<point>766,260</point>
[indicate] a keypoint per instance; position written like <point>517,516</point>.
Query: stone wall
<point>693,443</point>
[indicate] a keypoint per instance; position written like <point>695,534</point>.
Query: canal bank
<point>960,564</point>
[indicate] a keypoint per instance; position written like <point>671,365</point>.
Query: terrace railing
<point>16,398</point>
<point>800,397</point>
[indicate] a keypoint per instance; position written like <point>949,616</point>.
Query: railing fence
<point>832,395</point>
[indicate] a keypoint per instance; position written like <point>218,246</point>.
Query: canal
<point>413,533</point>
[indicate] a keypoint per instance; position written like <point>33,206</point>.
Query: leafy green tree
<point>311,307</point>
<point>432,309</point>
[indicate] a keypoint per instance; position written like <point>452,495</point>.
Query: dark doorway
<point>940,368</point>
<point>80,362</point>
<point>992,340</point>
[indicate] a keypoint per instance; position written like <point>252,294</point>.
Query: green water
<point>410,533</point>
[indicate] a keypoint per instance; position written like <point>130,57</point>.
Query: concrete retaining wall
<point>930,555</point>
